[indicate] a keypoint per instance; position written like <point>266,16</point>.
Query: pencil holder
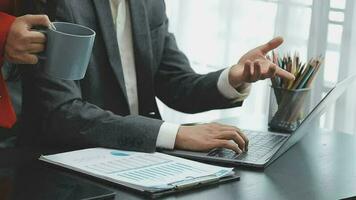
<point>288,108</point>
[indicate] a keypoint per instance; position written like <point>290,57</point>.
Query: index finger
<point>284,74</point>
<point>272,44</point>
<point>238,136</point>
<point>33,20</point>
<point>244,137</point>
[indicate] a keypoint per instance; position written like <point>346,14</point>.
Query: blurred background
<point>214,34</point>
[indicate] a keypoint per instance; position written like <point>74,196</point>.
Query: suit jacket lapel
<point>143,55</point>
<point>108,30</point>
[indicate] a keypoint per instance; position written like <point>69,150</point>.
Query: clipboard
<point>151,193</point>
<point>184,188</point>
<point>220,175</point>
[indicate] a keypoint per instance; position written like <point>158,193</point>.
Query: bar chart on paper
<point>144,168</point>
<point>153,170</point>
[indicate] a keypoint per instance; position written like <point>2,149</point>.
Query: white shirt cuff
<point>167,135</point>
<point>229,92</point>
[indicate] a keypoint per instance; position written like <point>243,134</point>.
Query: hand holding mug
<point>22,43</point>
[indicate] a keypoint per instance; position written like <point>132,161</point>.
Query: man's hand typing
<point>205,137</point>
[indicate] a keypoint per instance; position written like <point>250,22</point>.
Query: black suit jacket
<point>94,111</point>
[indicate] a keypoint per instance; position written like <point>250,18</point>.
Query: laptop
<point>265,146</point>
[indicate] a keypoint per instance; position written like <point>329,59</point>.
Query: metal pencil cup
<point>287,108</point>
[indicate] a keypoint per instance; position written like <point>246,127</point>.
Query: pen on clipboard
<point>109,196</point>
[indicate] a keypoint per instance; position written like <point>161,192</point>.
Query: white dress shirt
<point>168,131</point>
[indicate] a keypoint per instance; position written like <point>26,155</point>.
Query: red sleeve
<point>7,113</point>
<point>5,24</point>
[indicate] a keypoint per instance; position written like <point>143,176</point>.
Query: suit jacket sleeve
<point>178,86</point>
<point>56,107</point>
<point>56,114</point>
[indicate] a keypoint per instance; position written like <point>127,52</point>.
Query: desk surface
<point>321,166</point>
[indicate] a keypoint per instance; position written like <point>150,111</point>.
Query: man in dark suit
<point>134,60</point>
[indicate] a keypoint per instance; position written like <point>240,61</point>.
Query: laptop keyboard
<point>260,144</point>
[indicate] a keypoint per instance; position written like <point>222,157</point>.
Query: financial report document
<point>147,170</point>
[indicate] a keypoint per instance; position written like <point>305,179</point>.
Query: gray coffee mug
<point>68,50</point>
